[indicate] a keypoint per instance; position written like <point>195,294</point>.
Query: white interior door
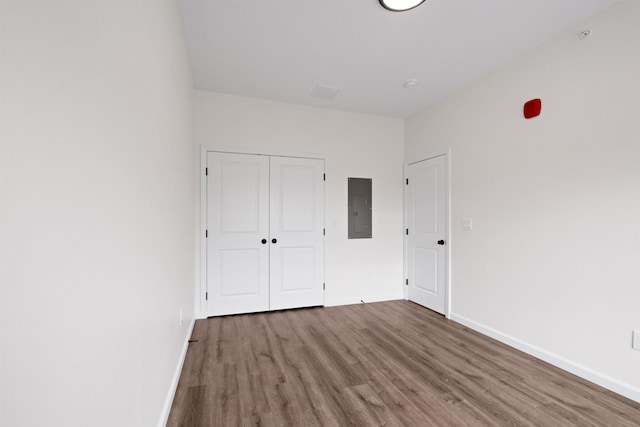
<point>426,237</point>
<point>297,232</point>
<point>237,224</point>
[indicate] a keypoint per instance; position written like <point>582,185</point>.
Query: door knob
<point>441,242</point>
<point>274,241</point>
<point>264,241</point>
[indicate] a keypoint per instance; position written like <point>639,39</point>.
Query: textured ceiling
<point>282,49</point>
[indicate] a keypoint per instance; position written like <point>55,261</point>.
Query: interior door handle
<point>274,241</point>
<point>264,241</point>
<point>441,242</point>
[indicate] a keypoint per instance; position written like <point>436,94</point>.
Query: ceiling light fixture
<point>400,5</point>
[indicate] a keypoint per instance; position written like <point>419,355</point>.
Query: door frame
<point>447,279</point>
<point>201,282</point>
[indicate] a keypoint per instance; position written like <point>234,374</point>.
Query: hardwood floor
<point>392,363</point>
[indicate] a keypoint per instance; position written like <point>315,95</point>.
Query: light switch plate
<point>636,340</point>
<point>467,224</point>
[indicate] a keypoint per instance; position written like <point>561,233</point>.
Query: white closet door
<point>297,232</point>
<point>238,224</point>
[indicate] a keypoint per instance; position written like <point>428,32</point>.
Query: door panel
<point>426,269</point>
<point>302,276</point>
<point>237,221</point>
<point>426,221</point>
<point>239,197</point>
<point>296,222</point>
<point>236,279</point>
<point>426,200</point>
<point>294,188</point>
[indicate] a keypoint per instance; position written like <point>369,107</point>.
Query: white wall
<point>552,263</point>
<point>96,213</point>
<point>354,145</point>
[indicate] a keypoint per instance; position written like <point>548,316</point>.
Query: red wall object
<point>532,108</point>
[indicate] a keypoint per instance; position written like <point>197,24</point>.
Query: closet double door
<point>265,233</point>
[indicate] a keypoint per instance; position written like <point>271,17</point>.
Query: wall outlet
<point>180,317</point>
<point>636,340</point>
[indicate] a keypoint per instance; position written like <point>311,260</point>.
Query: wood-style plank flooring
<point>391,363</point>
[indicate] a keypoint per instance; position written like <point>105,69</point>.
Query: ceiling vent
<point>325,92</point>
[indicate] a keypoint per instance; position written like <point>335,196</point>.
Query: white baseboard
<point>366,299</point>
<point>164,417</point>
<point>588,374</point>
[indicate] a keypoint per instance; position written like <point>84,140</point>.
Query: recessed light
<point>400,5</point>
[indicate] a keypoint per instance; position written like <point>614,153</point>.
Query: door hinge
<point>324,176</point>
<point>324,286</point>
<point>406,282</point>
<point>324,231</point>
<point>407,231</point>
<point>206,171</point>
<point>407,181</point>
<point>206,233</point>
<point>206,295</point>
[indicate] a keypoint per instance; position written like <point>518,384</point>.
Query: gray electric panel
<point>359,208</point>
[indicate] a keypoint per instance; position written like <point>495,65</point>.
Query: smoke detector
<point>410,84</point>
<point>584,34</point>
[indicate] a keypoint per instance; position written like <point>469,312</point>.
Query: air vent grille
<point>325,92</point>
